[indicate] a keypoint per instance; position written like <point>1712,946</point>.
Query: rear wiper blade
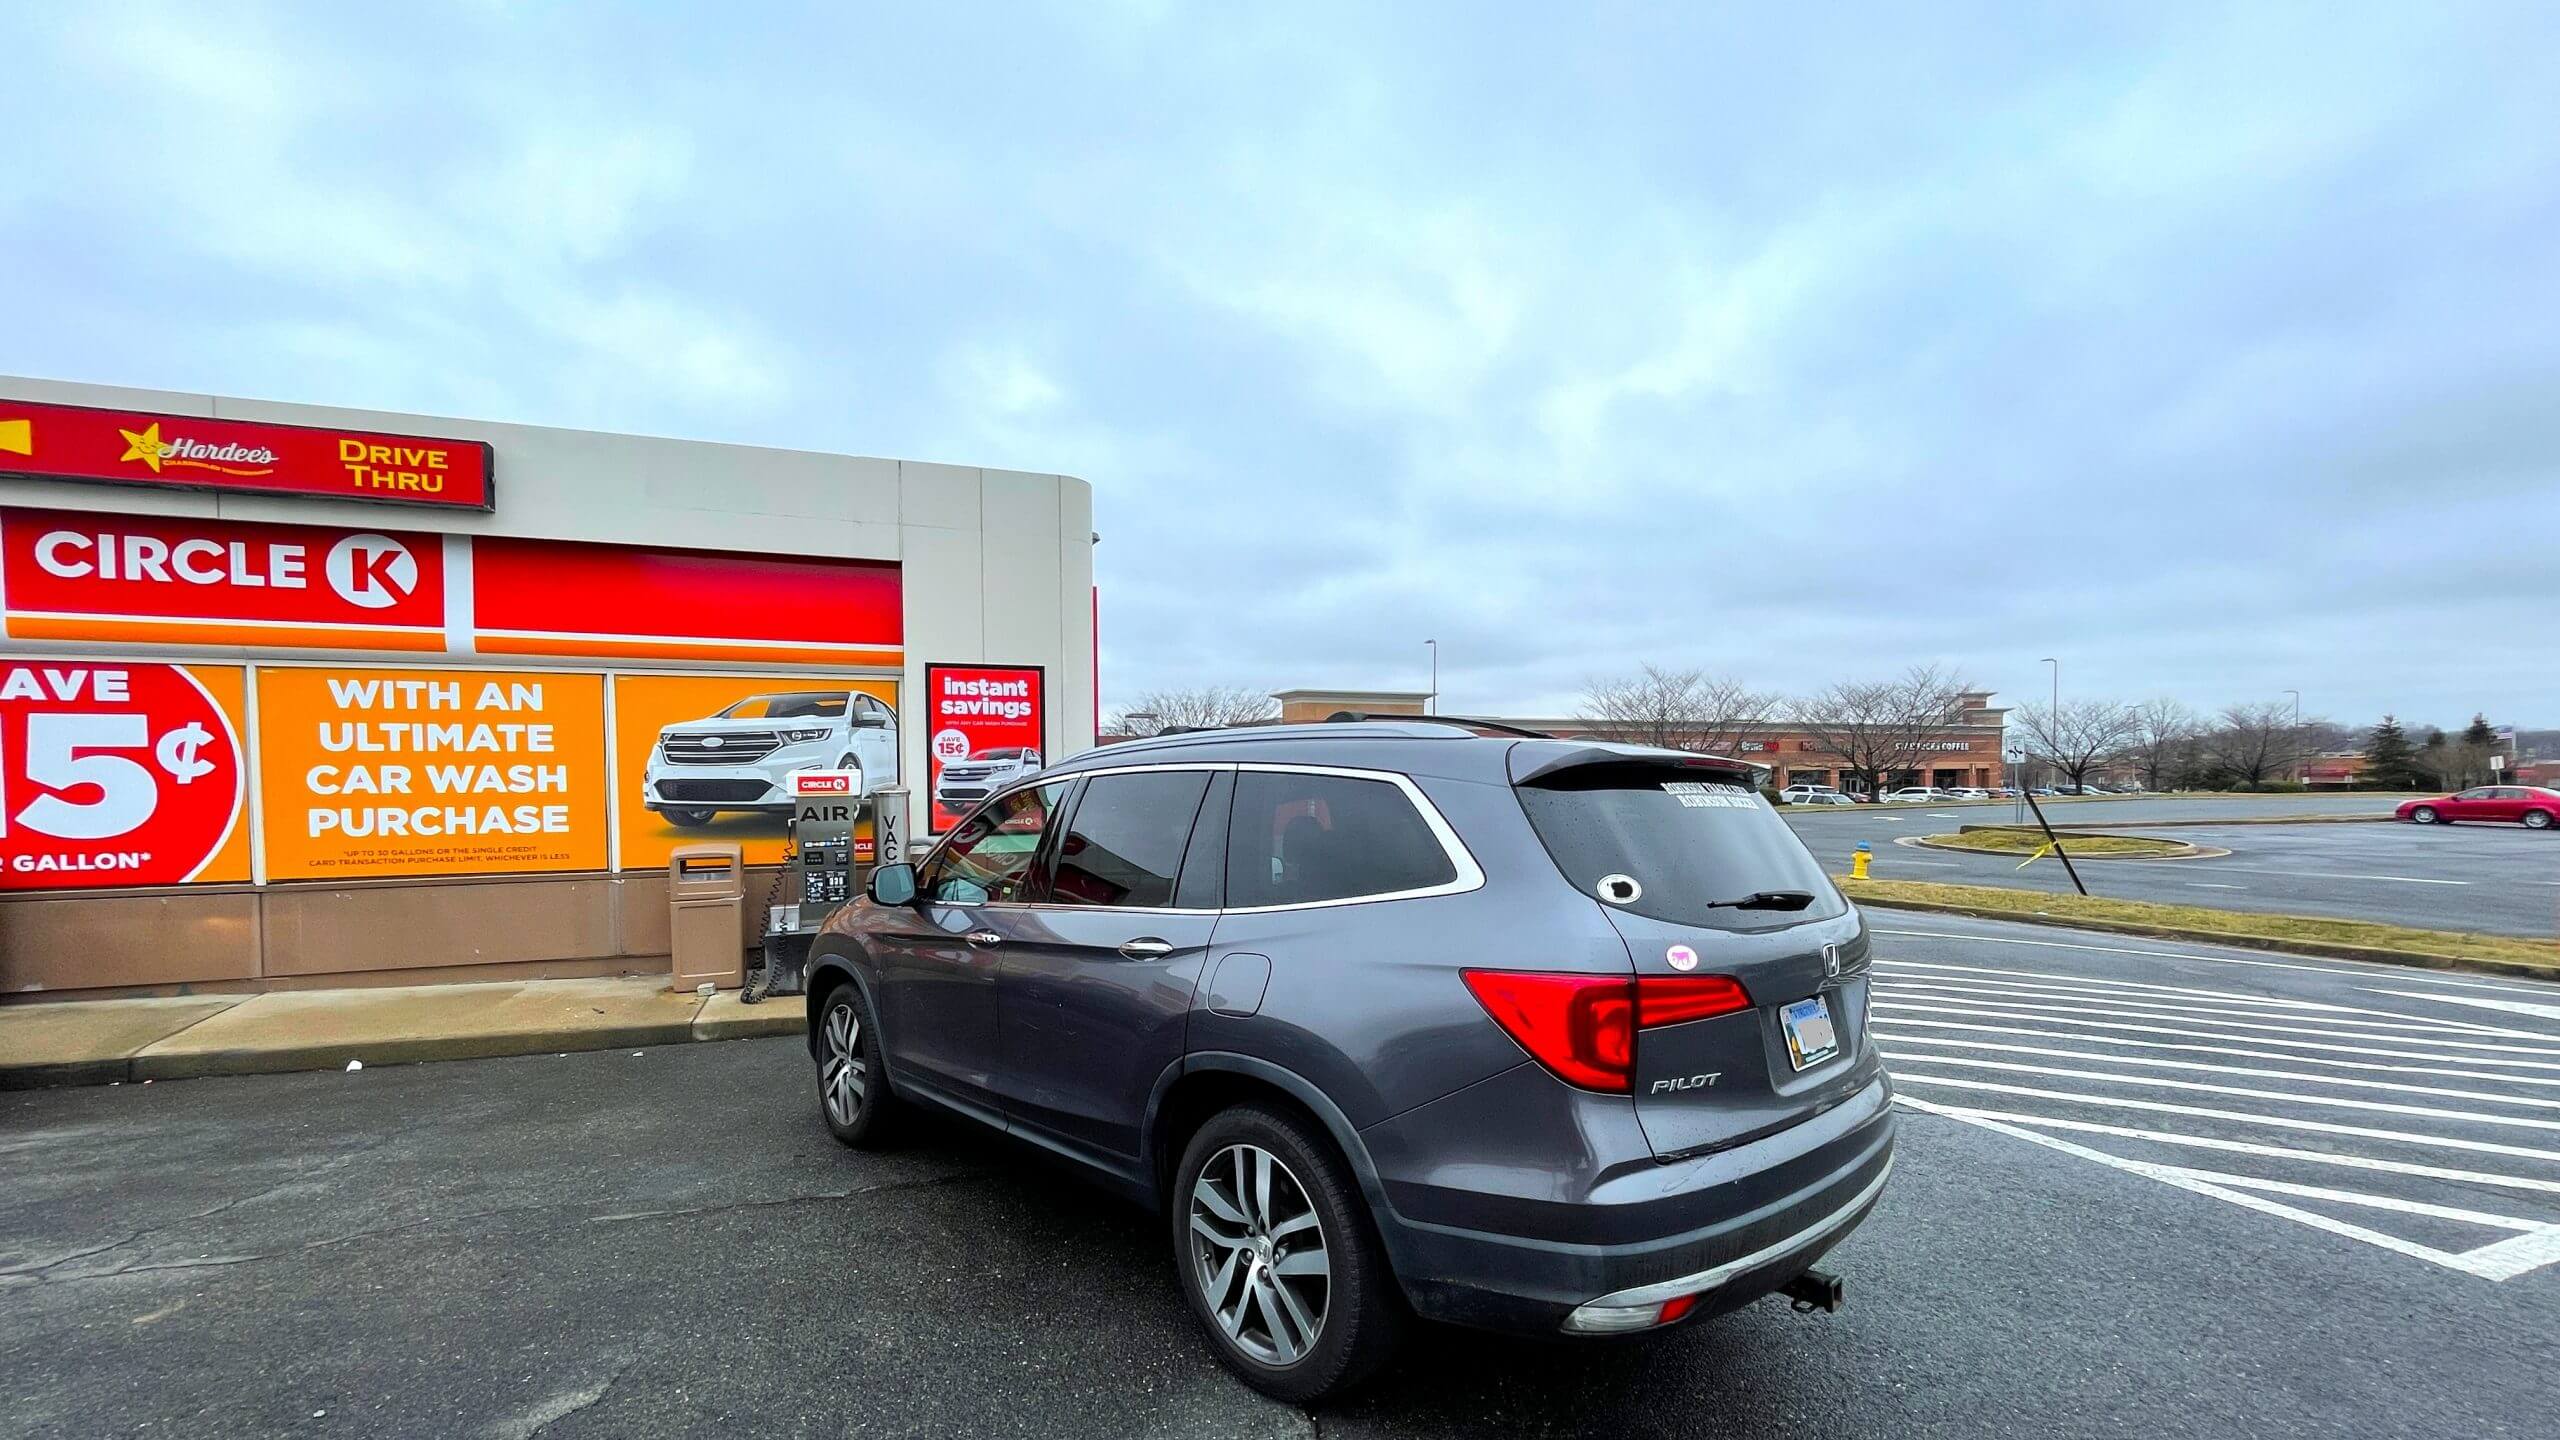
<point>1766,900</point>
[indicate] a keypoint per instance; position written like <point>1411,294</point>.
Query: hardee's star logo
<point>145,447</point>
<point>226,458</point>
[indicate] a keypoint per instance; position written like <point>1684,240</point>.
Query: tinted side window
<point>988,859</point>
<point>1298,838</point>
<point>1123,845</point>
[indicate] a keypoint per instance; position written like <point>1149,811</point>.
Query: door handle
<point>983,937</point>
<point>1147,949</point>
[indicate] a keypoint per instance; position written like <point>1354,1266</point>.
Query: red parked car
<point>2530,805</point>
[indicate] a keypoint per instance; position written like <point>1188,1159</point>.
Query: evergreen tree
<point>2478,733</point>
<point>2390,761</point>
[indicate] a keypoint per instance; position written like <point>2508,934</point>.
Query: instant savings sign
<point>987,725</point>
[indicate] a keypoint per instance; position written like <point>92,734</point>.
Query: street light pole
<point>2296,735</point>
<point>1431,706</point>
<point>2053,716</point>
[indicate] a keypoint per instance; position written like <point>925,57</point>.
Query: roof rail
<point>1464,722</point>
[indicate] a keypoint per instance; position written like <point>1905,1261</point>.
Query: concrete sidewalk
<point>97,1042</point>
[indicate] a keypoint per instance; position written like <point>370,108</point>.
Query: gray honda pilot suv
<point>1390,1019</point>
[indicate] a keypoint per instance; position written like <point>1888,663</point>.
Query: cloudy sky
<point>2216,352</point>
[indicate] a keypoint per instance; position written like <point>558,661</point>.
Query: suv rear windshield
<point>1687,837</point>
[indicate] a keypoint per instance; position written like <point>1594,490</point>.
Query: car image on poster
<point>985,727</point>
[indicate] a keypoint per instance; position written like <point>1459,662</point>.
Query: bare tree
<point>1880,727</point>
<point>2255,742</point>
<point>2081,736</point>
<point>1198,707</point>
<point>1678,709</point>
<point>2163,731</point>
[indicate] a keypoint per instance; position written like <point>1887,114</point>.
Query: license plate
<point>1810,1038</point>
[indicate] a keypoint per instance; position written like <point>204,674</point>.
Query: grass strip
<point>2298,934</point>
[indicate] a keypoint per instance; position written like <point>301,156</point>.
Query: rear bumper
<point>1727,1227</point>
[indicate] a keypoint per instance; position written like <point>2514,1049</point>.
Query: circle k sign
<point>112,774</point>
<point>372,571</point>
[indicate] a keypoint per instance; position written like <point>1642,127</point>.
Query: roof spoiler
<point>1534,762</point>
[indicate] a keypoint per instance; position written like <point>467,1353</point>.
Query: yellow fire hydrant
<point>1858,862</point>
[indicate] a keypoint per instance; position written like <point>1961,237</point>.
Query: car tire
<point>2537,819</point>
<point>853,1084</point>
<point>688,818</point>
<point>1254,1247</point>
<point>2423,815</point>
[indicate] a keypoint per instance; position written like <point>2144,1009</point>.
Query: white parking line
<point>2013,992</point>
<point>2252,1147</point>
<point>1899,1038</point>
<point>2245,1092</point>
<point>2137,989</point>
<point>2364,972</point>
<point>2005,1013</point>
<point>2209,885</point>
<point>2130,1011</point>
<point>2513,1007</point>
<point>2502,1260</point>
<point>2328,875</point>
<point>2281,1122</point>
<point>2118,1040</point>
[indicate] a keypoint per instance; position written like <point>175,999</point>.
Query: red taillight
<point>1679,999</point>
<point>1583,1027</point>
<point>1674,1308</point>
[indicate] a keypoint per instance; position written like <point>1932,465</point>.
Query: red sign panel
<point>984,727</point>
<point>180,580</point>
<point>558,597</point>
<point>72,442</point>
<point>112,775</point>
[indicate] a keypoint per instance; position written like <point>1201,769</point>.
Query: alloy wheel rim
<point>843,1078</point>
<point>1258,1254</point>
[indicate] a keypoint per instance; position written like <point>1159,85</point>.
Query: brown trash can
<point>706,891</point>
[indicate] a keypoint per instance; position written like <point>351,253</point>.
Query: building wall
<point>995,565</point>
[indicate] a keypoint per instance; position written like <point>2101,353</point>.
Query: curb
<point>2412,959</point>
<point>2191,852</point>
<point>721,1018</point>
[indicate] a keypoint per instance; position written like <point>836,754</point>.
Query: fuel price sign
<point>112,774</point>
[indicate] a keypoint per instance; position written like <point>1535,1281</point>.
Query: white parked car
<point>1969,792</point>
<point>1917,795</point>
<point>742,758</point>
<point>964,783</point>
<point>1814,795</point>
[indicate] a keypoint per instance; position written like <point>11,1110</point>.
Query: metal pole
<point>1431,706</point>
<point>2056,842</point>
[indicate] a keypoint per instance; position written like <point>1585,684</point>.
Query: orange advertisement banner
<point>709,757</point>
<point>369,772</point>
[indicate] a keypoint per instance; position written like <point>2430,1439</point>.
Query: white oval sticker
<point>1681,957</point>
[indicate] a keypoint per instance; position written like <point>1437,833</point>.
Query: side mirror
<point>892,884</point>
<point>871,720</point>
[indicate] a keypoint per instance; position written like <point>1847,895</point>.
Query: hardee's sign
<point>71,442</point>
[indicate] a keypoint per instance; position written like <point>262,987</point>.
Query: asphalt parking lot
<point>2499,879</point>
<point>2145,1189</point>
